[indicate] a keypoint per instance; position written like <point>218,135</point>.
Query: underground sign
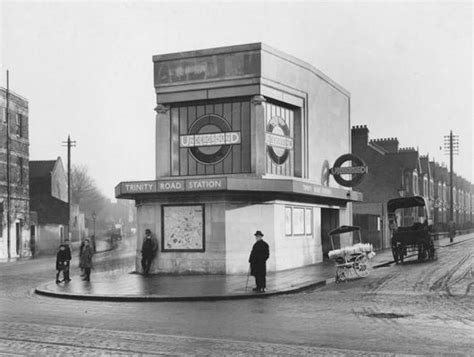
<point>357,170</point>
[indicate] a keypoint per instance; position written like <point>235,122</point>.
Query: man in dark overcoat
<point>67,279</point>
<point>85,260</point>
<point>258,262</point>
<point>149,249</point>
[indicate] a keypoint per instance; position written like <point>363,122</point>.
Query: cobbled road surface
<point>411,309</point>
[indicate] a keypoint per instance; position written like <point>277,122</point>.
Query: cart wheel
<point>432,252</point>
<point>401,255</point>
<point>397,255</point>
<point>340,276</point>
<point>422,251</point>
<point>361,266</point>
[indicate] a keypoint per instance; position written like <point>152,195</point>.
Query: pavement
<point>122,286</point>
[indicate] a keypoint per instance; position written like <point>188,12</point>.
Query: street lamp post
<point>94,215</point>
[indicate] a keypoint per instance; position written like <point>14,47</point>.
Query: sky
<point>86,69</point>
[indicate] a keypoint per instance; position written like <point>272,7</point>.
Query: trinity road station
<point>247,138</point>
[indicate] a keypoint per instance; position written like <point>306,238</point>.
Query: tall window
<point>20,171</point>
<point>3,115</point>
<point>19,126</point>
<point>415,183</point>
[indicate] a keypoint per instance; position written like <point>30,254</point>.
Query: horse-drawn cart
<point>415,235</point>
<point>352,257</point>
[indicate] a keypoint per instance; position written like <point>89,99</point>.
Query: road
<point>415,308</point>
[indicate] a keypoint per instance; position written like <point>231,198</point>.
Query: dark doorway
<point>369,229</point>
<point>18,237</point>
<point>329,221</point>
<point>33,239</point>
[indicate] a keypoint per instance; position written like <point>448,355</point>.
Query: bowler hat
<point>258,233</point>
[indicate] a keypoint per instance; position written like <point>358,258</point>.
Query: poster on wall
<point>308,220</point>
<point>183,228</point>
<point>288,224</point>
<point>298,220</point>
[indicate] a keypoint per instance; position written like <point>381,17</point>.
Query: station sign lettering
<point>228,138</point>
<point>278,140</point>
<point>210,139</point>
<point>170,186</point>
<point>205,184</point>
<point>139,187</point>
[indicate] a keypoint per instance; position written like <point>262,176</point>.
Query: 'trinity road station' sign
<point>180,185</point>
<point>357,170</point>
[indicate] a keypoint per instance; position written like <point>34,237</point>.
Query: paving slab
<point>122,286</point>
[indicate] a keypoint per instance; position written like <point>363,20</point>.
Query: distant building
<point>14,177</point>
<point>49,199</point>
<point>395,172</point>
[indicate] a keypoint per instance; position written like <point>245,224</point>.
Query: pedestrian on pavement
<point>258,262</point>
<point>452,230</point>
<point>85,260</point>
<point>62,263</point>
<point>149,249</point>
<point>67,279</point>
<point>81,248</point>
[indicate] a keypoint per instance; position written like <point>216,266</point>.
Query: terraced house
<point>397,172</point>
<point>14,176</point>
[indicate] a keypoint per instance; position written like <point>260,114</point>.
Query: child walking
<point>62,263</point>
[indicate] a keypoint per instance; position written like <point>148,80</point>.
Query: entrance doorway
<point>329,221</point>
<point>33,239</point>
<point>18,237</point>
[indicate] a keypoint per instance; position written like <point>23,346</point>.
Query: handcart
<point>414,234</point>
<point>351,260</point>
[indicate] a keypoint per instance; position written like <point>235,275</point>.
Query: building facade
<point>245,136</point>
<point>14,176</point>
<point>49,199</point>
<point>395,172</point>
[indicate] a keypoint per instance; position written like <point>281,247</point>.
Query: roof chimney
<point>360,136</point>
<point>388,144</point>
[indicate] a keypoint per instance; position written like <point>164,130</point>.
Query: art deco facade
<point>245,137</point>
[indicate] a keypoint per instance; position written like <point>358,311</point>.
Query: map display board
<point>183,228</point>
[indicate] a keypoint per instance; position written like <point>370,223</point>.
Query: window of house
<point>1,219</point>
<point>20,171</point>
<point>415,184</point>
<point>19,125</point>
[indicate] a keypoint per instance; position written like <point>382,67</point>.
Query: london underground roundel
<point>357,171</point>
<point>210,139</point>
<point>278,139</point>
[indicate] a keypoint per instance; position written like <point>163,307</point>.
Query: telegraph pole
<point>451,147</point>
<point>7,116</point>
<point>69,143</point>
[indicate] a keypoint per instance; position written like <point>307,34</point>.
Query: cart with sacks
<point>350,255</point>
<point>411,228</point>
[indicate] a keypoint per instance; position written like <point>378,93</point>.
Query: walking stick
<point>247,283</point>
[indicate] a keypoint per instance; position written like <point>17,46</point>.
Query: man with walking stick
<point>258,262</point>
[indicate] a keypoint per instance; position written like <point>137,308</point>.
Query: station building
<point>245,139</point>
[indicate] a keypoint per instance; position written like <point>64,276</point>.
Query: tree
<point>84,191</point>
